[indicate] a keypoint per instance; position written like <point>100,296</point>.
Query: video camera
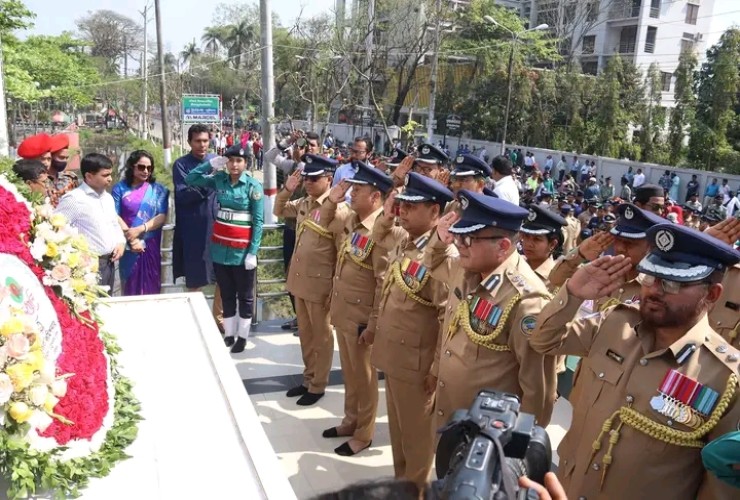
<point>484,450</point>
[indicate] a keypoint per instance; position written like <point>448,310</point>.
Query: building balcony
<point>624,9</point>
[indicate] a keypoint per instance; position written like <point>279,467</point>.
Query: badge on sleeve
<point>256,195</point>
<point>528,325</point>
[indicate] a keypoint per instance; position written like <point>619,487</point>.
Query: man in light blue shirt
<point>361,150</point>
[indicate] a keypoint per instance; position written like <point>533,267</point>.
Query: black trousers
<point>107,272</point>
<point>237,285</point>
<point>289,235</point>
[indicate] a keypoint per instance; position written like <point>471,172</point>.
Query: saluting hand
<point>389,207</point>
<point>444,225</point>
<point>399,175</point>
<point>591,248</point>
<point>338,193</point>
<point>599,278</point>
<point>728,230</point>
<point>443,177</point>
<point>293,181</point>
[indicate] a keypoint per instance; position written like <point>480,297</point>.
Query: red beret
<point>35,146</point>
<point>58,142</point>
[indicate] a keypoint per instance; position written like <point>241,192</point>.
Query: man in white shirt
<point>505,186</point>
<point>639,179</point>
<point>91,209</point>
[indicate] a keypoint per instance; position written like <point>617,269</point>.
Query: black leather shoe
<point>309,399</point>
<point>290,325</point>
<point>298,390</point>
<point>239,346</point>
<point>229,341</point>
<point>345,449</point>
<point>330,433</point>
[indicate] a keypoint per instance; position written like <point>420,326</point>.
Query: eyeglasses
<point>669,286</point>
<point>467,241</point>
<point>358,151</point>
<point>143,168</point>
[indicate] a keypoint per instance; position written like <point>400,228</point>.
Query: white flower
<point>6,388</point>
<point>47,375</point>
<point>38,394</point>
<point>38,249</point>
<point>40,420</point>
<point>44,211</point>
<point>91,279</point>
<point>59,388</point>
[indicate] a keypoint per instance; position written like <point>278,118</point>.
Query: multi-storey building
<point>640,31</point>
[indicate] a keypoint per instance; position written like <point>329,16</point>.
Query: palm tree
<point>213,38</point>
<point>189,53</point>
<point>239,37</point>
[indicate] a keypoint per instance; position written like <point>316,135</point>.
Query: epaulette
<point>527,288</point>
<point>724,352</point>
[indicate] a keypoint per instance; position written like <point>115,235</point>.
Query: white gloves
<point>219,162</point>
<point>250,262</point>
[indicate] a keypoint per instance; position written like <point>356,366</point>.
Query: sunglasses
<point>144,168</point>
<point>467,241</point>
<point>669,286</point>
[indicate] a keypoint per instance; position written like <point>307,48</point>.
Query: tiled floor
<point>269,366</point>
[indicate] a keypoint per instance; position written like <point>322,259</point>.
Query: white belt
<point>231,215</point>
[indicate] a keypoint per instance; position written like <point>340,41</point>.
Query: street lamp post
<point>509,77</point>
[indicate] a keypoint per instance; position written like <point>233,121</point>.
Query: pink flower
<point>18,346</point>
<point>61,272</point>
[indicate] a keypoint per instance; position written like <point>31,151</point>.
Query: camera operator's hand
<point>430,384</point>
<point>298,153</point>
<point>552,490</point>
<point>599,278</point>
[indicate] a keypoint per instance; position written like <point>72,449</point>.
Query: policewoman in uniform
<point>542,241</point>
<point>311,270</point>
<point>237,233</point>
<point>361,266</point>
<point>628,237</point>
<point>470,173</point>
<point>412,307</point>
<point>657,383</point>
<point>494,301</point>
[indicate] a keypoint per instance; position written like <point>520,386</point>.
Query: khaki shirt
<point>408,330</point>
<point>315,257</point>
<point>725,315</point>
<point>622,369</point>
<point>355,297</point>
<point>464,367</point>
<point>543,272</point>
<point>565,268</point>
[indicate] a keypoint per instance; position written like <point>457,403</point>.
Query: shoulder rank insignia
<point>421,242</point>
<point>491,282</point>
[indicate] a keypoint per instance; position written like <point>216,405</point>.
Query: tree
<point>239,38</point>
<point>189,53</point>
<point>684,111</point>
<point>213,39</point>
<point>652,115</point>
<point>14,15</point>
<point>611,119</point>
<point>112,37</point>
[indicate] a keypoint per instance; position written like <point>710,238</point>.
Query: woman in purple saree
<point>141,204</point>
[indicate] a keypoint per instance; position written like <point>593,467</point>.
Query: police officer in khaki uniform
<point>354,302</point>
<point>542,239</point>
<point>725,315</point>
<point>657,383</point>
<point>470,173</point>
<point>494,301</point>
<point>312,269</point>
<point>628,237</point>
<point>572,230</point>
<point>411,312</point>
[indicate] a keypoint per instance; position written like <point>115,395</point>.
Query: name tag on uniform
<point>615,356</point>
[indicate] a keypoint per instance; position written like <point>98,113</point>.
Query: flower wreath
<point>66,413</point>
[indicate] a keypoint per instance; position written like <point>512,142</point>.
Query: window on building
<point>666,77</point>
<point>652,34</point>
<point>592,12</point>
<point>589,44</point>
<point>569,14</point>
<point>627,40</point>
<point>692,13</point>
<point>590,67</point>
<point>655,8</point>
<point>687,45</point>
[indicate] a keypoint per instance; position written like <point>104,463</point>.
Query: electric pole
<point>268,107</point>
<point>3,110</point>
<point>145,70</point>
<point>166,138</point>
<point>433,79</point>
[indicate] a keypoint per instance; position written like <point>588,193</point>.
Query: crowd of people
<point>452,275</point>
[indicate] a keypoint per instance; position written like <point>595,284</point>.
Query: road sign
<point>197,108</point>
<point>453,123</point>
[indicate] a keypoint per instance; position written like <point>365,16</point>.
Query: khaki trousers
<point>360,386</point>
<point>317,343</point>
<point>411,430</point>
<point>218,307</point>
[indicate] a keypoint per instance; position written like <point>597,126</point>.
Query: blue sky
<point>185,19</point>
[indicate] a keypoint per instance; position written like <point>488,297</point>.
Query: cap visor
<point>356,181</point>
<point>536,230</point>
<point>655,265</point>
<point>466,226</point>
<point>463,173</point>
<point>412,198</point>
<point>625,234</point>
<point>313,174</point>
<point>427,160</point>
